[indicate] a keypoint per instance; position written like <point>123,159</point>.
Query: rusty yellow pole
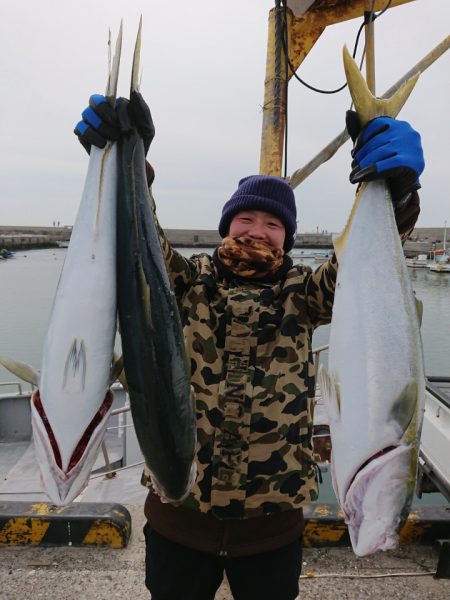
<point>274,108</point>
<point>369,31</point>
<point>304,29</point>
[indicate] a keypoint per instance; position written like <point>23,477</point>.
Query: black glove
<point>102,122</point>
<point>386,149</point>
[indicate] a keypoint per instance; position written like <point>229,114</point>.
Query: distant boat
<point>440,267</point>
<point>323,257</point>
<point>441,258</point>
<point>303,254</point>
<point>418,262</point>
<point>4,253</point>
<point>62,244</point>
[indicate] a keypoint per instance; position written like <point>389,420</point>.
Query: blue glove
<point>103,122</point>
<point>386,149</point>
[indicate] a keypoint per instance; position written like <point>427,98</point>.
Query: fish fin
<point>340,240</point>
<point>330,394</point>
<point>136,60</point>
<point>404,407</point>
<point>116,368</point>
<point>123,380</point>
<point>419,307</point>
<point>21,370</point>
<point>111,88</point>
<point>366,104</point>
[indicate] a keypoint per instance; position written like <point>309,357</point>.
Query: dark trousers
<point>175,572</point>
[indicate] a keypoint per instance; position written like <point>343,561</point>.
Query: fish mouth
<point>379,454</point>
<point>378,498</point>
<point>83,442</point>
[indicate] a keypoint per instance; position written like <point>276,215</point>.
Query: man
<point>248,315</point>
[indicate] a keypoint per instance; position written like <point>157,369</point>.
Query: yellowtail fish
<point>375,386</point>
<point>72,402</point>
<point>153,346</point>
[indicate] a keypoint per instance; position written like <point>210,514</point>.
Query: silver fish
<point>70,408</point>
<point>375,386</point>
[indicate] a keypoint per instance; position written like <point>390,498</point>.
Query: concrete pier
<point>15,237</point>
<point>423,240</point>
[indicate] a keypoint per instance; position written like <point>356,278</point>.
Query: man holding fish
<point>248,315</point>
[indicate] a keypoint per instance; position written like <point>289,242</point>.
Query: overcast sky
<point>203,76</point>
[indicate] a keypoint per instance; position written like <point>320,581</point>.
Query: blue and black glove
<point>386,149</point>
<point>103,122</point>
<point>389,149</point>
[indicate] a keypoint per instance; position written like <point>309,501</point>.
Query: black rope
<point>369,16</point>
<point>286,74</point>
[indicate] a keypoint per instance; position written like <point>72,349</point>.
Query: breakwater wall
<point>423,240</point>
<point>14,237</point>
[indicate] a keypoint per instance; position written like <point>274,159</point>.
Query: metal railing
<point>13,383</point>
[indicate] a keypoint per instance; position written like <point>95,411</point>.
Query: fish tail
<point>136,60</point>
<point>111,88</point>
<point>368,107</point>
<point>366,104</point>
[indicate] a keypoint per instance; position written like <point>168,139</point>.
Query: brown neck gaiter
<point>249,258</point>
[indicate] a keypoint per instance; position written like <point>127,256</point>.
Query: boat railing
<point>16,384</point>
<point>316,354</point>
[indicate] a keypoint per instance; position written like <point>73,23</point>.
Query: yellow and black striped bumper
<point>79,524</point>
<point>325,525</point>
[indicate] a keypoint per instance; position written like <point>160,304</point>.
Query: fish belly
<point>79,344</point>
<point>375,354</point>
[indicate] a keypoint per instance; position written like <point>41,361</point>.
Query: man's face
<point>259,226</point>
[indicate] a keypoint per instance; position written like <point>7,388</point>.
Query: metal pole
<point>369,32</point>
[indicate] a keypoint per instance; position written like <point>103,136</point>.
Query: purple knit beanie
<point>267,193</point>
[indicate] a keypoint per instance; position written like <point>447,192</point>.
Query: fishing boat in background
<point>440,267</point>
<point>419,262</point>
<point>323,257</point>
<point>4,253</point>
<point>441,262</point>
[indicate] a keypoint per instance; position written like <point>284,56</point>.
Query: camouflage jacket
<point>253,376</point>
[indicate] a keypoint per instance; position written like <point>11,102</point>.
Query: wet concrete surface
<point>65,573</point>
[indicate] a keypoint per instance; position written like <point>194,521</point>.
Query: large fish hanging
<point>153,345</point>
<point>375,386</point>
<point>72,402</point>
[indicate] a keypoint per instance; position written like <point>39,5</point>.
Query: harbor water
<point>28,283</point>
<point>29,280</point>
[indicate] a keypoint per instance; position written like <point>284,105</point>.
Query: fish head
<point>378,500</point>
<point>64,482</point>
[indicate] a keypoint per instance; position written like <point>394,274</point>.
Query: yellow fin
<point>366,104</point>
<point>21,370</point>
<point>368,107</point>
<point>340,240</point>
